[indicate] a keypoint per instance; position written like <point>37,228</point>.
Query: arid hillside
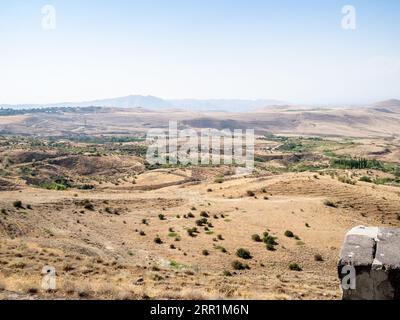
<point>114,227</point>
<point>380,120</point>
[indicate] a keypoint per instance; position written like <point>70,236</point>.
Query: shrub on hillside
<point>237,265</point>
<point>250,193</point>
<point>289,234</point>
<point>243,253</point>
<point>18,204</point>
<point>256,238</point>
<point>295,267</point>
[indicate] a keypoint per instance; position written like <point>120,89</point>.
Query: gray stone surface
<point>358,250</point>
<point>388,248</point>
<point>374,253</point>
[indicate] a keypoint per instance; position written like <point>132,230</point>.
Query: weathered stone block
<point>369,265</point>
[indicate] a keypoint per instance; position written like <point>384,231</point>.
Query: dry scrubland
<point>117,228</point>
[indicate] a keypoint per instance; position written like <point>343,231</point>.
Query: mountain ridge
<point>156,103</point>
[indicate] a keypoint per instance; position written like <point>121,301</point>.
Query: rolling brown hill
<point>381,120</point>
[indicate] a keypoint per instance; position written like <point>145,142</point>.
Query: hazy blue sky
<point>295,51</point>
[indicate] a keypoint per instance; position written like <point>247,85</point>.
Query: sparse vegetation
<point>88,205</point>
<point>318,257</point>
<point>192,232</point>
<point>158,240</point>
<point>346,180</point>
<point>289,234</point>
<point>68,267</point>
<point>111,211</point>
<point>201,222</point>
<point>330,203</point>
<point>243,253</point>
<point>295,267</point>
<point>204,214</point>
<point>256,238</point>
<point>366,179</point>
<point>221,248</point>
<point>270,247</point>
<point>18,204</point>
<point>237,265</point>
<point>250,193</point>
<point>176,265</point>
<point>270,239</point>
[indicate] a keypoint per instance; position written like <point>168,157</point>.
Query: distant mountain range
<point>155,103</point>
<point>387,103</point>
<point>158,104</point>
